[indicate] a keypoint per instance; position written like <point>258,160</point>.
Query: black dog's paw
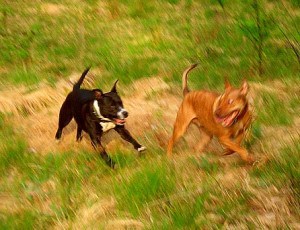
<point>111,164</point>
<point>78,139</point>
<point>58,134</point>
<point>108,161</point>
<point>57,141</point>
<point>141,149</point>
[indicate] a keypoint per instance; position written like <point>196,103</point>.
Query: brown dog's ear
<point>114,88</point>
<point>244,88</point>
<point>97,93</point>
<point>227,84</point>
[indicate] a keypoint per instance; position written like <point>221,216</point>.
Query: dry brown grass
<point>149,101</point>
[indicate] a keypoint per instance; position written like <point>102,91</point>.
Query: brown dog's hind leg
<point>184,117</point>
<point>204,140</point>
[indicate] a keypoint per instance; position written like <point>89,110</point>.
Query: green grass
<point>132,40</point>
<point>206,165</point>
<point>285,169</point>
<point>12,147</point>
<point>145,186</point>
<point>23,76</point>
<point>142,39</point>
<point>274,111</point>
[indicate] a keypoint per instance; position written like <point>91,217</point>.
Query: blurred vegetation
<point>132,39</point>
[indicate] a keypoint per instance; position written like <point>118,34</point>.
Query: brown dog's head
<point>229,106</point>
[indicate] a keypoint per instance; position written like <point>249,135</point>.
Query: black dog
<point>95,112</point>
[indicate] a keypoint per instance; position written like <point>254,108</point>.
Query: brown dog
<point>225,116</point>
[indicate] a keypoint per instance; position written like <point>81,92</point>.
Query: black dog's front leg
<point>99,148</point>
<point>125,134</point>
<point>96,142</point>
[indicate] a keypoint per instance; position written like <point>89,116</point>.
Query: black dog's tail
<point>78,84</point>
<point>184,79</point>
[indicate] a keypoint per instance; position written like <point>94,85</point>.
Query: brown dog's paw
<point>250,160</point>
<point>227,152</point>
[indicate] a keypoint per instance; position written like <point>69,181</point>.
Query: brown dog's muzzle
<point>226,120</point>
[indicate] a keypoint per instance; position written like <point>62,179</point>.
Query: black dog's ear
<point>114,88</point>
<point>97,93</point>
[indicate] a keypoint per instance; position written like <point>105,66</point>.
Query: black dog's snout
<point>125,113</point>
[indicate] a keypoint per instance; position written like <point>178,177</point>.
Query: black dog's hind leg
<point>125,134</point>
<point>79,133</point>
<point>65,116</point>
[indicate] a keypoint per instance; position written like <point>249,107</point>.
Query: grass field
<point>44,47</point>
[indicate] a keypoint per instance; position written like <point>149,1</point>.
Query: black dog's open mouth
<point>228,119</point>
<point>118,121</point>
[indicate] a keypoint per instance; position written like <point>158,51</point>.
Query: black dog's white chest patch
<point>107,124</point>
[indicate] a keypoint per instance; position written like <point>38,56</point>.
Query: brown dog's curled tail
<point>184,79</point>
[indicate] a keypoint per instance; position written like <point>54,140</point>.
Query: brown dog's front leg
<point>238,140</point>
<point>237,148</point>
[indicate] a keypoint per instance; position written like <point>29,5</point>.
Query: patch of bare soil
<point>53,9</point>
